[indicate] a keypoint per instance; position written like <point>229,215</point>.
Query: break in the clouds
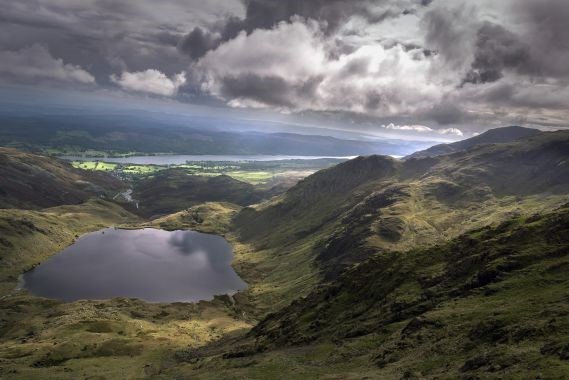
<point>423,129</point>
<point>150,81</point>
<point>450,66</point>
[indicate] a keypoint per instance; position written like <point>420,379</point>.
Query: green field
<point>94,165</point>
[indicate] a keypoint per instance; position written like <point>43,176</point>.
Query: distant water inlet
<point>150,264</point>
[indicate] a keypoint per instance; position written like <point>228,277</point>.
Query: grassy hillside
<point>124,338</point>
<point>118,338</point>
<point>173,190</point>
<point>343,215</point>
<point>31,236</point>
<point>491,303</point>
<point>34,181</point>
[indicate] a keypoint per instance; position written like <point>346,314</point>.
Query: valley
<point>442,265</point>
<point>284,189</point>
<point>269,172</point>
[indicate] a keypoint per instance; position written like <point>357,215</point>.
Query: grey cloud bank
<point>407,66</point>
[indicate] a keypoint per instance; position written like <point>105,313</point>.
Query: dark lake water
<point>150,264</point>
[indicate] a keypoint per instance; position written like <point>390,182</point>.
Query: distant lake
<point>150,264</point>
<point>182,159</point>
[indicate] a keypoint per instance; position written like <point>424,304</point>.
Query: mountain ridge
<point>491,136</point>
<point>148,134</point>
<point>418,202</point>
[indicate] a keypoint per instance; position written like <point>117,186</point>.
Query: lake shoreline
<point>203,263</point>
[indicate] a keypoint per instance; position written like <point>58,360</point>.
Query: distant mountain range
<point>147,134</point>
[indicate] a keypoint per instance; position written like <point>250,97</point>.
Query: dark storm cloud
<point>444,113</point>
<point>510,94</point>
<point>270,90</point>
<point>265,14</point>
<point>165,38</point>
<point>198,42</point>
<point>35,63</point>
<point>496,50</point>
<point>448,31</point>
<point>506,68</point>
<point>547,31</point>
<point>539,47</point>
<point>107,37</point>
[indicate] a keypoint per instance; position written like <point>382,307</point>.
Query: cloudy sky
<point>446,68</point>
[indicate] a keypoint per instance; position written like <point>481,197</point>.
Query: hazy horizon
<point>405,69</point>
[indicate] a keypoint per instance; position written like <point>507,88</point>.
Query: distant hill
<point>535,164</point>
<point>492,136</point>
<point>174,190</point>
<point>32,181</point>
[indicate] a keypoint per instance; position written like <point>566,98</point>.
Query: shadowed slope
<point>173,190</point>
<point>492,136</point>
<point>34,181</point>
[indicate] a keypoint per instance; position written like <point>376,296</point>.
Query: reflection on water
<point>150,264</point>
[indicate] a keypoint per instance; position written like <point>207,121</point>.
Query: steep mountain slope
<point>173,190</point>
<point>315,198</point>
<point>394,286</point>
<point>491,303</point>
<point>442,267</point>
<point>35,181</point>
<point>492,136</point>
<point>341,216</point>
